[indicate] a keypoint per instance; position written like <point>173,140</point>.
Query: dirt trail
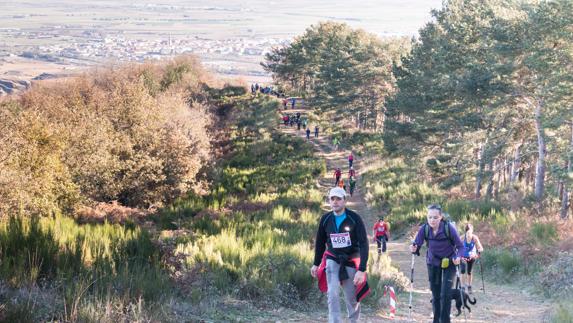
<point>501,303</point>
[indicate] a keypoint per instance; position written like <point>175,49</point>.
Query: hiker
<point>337,175</point>
<point>316,131</point>
<point>350,160</point>
<point>298,124</point>
<point>340,257</point>
<point>285,103</point>
<point>307,133</point>
<point>335,143</point>
<point>252,89</point>
<point>293,103</point>
<point>285,120</point>
<point>445,248</point>
<point>298,116</point>
<point>472,251</point>
<point>352,172</point>
<point>304,123</point>
<point>352,185</point>
<point>381,233</point>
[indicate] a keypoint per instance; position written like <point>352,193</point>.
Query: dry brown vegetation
<point>136,134</point>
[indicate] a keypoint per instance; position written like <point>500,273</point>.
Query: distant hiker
<point>257,87</point>
<point>445,248</point>
<point>298,124</point>
<point>291,121</point>
<point>285,119</point>
<point>352,185</point>
<point>307,133</point>
<point>316,131</point>
<point>341,257</point>
<point>351,172</point>
<point>350,160</point>
<point>335,143</point>
<point>337,175</point>
<point>252,89</point>
<point>381,233</point>
<point>472,251</point>
<point>293,103</point>
<point>285,103</point>
<point>304,123</point>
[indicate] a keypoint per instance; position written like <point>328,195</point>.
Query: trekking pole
<point>481,274</point>
<point>411,287</point>
<point>461,291</point>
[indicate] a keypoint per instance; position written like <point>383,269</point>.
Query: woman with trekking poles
<point>445,249</point>
<point>473,250</point>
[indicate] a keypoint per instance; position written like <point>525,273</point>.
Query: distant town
<point>92,46</point>
<point>48,39</point>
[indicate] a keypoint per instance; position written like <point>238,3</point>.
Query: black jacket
<point>358,237</point>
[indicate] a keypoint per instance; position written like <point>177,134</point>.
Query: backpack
<point>446,231</point>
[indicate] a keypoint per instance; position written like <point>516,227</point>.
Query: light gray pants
<point>352,306</point>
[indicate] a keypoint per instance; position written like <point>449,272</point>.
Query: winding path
<point>502,303</point>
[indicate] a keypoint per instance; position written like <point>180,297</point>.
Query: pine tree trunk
<point>489,189</point>
<point>542,151</point>
<point>496,184</point>
<point>516,164</point>
<point>565,199</point>
<point>506,169</point>
<point>479,174</point>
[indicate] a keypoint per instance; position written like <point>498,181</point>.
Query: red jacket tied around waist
<point>362,290</point>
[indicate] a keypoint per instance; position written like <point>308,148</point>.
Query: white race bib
<point>340,240</point>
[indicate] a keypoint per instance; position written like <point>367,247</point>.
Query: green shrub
<point>41,250</point>
<point>502,264</point>
<point>563,313</point>
<point>556,279</point>
<point>544,233</point>
<point>464,210</point>
<point>393,188</point>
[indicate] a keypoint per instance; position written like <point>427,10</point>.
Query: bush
<point>563,313</point>
<point>127,135</point>
<point>556,279</point>
<point>394,189</point>
<point>544,233</point>
<point>35,251</point>
<point>461,210</point>
<point>501,264</point>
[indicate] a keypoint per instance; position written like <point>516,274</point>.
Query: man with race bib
<point>340,258</point>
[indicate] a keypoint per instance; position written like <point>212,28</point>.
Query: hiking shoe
<point>470,290</point>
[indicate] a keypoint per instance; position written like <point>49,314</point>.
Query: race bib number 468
<point>340,240</point>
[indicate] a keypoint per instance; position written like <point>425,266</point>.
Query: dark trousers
<point>337,180</point>
<point>441,291</point>
<point>381,241</point>
<point>350,163</point>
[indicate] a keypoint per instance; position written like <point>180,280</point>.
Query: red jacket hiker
<point>381,229</point>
